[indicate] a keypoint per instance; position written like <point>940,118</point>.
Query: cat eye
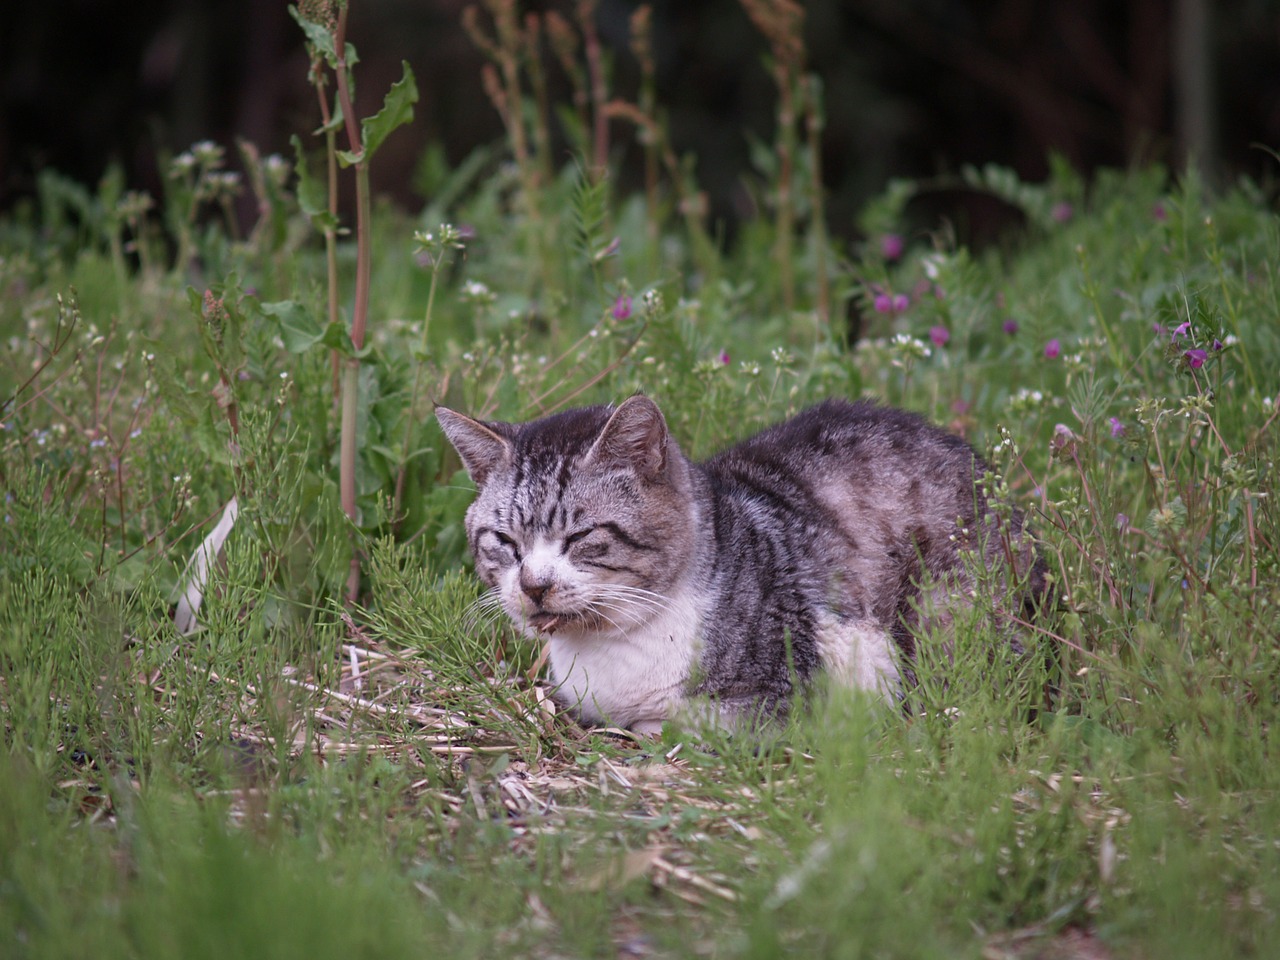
<point>508,542</point>
<point>573,538</point>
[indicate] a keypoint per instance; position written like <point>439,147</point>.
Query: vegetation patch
<point>251,705</point>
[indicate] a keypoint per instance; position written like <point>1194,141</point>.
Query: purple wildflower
<point>939,335</point>
<point>1182,330</point>
<point>883,303</point>
<point>1117,428</point>
<point>1159,213</point>
<point>1053,348</point>
<point>1062,212</point>
<point>891,246</point>
<point>724,357</point>
<point>900,302</point>
<point>1010,326</point>
<point>1218,345</point>
<point>1196,358</point>
<point>622,307</point>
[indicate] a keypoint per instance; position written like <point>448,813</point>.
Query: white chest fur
<point>632,678</point>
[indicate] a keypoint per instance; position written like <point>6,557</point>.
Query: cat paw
<point>647,728</point>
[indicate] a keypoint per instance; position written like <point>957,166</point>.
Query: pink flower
<point>1159,213</point>
<point>724,357</point>
<point>1052,348</point>
<point>622,307</point>
<point>1182,330</point>
<point>883,303</point>
<point>900,302</point>
<point>891,246</point>
<point>1196,358</point>
<point>1117,428</point>
<point>1010,326</point>
<point>939,335</point>
<point>1062,212</point>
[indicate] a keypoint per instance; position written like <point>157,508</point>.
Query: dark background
<point>913,87</point>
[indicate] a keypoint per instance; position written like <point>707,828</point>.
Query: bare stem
<point>360,309</point>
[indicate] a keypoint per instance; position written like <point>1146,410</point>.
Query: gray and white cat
<point>670,588</point>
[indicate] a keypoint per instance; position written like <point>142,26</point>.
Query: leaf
<point>338,338</point>
<point>336,119</point>
<point>320,37</point>
<point>397,110</point>
<point>189,407</point>
<point>299,330</point>
<point>312,196</point>
<point>589,215</point>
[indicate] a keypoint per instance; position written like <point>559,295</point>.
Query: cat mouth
<point>546,622</point>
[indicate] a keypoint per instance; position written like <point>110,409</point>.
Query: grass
<point>303,774</point>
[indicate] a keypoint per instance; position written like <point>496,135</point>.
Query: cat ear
<point>635,435</point>
<point>482,449</point>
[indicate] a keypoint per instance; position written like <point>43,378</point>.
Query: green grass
<point>297,778</point>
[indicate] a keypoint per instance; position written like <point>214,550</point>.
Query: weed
<point>317,746</point>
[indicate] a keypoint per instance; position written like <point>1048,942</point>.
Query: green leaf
<point>589,215</point>
<point>299,330</point>
<point>189,407</point>
<point>338,337</point>
<point>336,119</point>
<point>312,196</point>
<point>397,110</point>
<point>318,36</point>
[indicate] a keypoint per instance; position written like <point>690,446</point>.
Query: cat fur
<point>670,589</point>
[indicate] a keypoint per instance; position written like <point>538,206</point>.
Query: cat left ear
<point>482,449</point>
<point>635,435</point>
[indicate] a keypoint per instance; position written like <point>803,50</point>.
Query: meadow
<point>292,735</point>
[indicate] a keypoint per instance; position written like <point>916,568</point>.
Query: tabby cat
<point>669,588</point>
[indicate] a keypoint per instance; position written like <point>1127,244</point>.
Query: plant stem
<point>599,93</point>
<point>815,121</point>
<point>330,231</point>
<point>359,313</point>
<point>786,164</point>
<point>403,469</point>
<point>346,466</point>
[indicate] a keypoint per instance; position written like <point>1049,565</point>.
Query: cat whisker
<point>635,610</point>
<point>608,619</point>
<point>636,591</point>
<point>483,611</point>
<point>648,598</point>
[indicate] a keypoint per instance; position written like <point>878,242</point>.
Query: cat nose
<point>535,590</point>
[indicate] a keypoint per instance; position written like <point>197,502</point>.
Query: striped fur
<point>665,585</point>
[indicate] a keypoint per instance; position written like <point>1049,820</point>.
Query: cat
<point>669,589</point>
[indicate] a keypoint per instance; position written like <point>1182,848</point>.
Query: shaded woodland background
<point>913,87</point>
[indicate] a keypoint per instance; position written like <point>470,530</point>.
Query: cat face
<point>582,522</point>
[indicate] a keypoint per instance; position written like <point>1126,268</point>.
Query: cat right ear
<point>482,449</point>
<point>636,435</point>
